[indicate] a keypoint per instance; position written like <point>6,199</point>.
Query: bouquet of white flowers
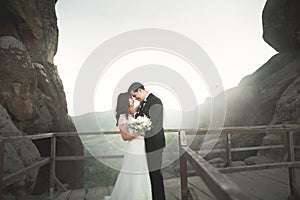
<point>139,125</point>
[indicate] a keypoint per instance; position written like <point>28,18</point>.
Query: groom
<point>152,107</point>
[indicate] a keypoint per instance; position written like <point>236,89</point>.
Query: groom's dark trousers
<point>154,144</point>
<point>154,162</point>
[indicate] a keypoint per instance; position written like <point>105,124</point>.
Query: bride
<point>133,181</point>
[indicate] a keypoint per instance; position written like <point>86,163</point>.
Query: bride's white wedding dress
<point>133,181</point>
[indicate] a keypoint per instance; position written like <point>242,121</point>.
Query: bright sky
<point>230,32</point>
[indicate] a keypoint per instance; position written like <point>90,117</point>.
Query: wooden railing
<point>12,177</point>
<point>220,185</point>
<point>49,160</point>
<point>46,160</point>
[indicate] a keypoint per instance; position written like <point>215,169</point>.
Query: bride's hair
<point>122,105</point>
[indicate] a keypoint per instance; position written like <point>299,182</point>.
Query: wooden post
<point>228,151</point>
<point>183,166</point>
<point>291,158</point>
<point>52,166</point>
<point>1,168</point>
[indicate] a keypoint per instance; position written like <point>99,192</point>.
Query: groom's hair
<point>135,86</point>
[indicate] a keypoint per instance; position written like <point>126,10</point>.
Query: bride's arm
<point>124,135</point>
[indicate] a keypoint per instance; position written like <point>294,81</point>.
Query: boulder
<point>238,163</point>
<point>281,24</point>
<point>257,160</point>
<point>216,161</point>
<point>276,154</point>
<point>17,155</point>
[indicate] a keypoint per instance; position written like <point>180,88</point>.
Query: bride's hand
<point>130,136</point>
<point>139,133</point>
<point>132,110</point>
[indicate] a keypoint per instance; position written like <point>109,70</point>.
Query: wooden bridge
<point>265,181</point>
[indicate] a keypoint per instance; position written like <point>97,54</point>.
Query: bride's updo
<point>122,105</point>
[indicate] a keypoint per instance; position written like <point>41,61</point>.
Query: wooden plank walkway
<point>261,185</point>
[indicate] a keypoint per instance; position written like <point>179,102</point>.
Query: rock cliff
<point>32,96</point>
<point>271,95</point>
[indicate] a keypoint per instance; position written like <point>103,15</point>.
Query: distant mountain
<point>105,121</point>
<point>95,121</point>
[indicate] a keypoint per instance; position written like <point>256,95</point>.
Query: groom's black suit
<point>154,143</point>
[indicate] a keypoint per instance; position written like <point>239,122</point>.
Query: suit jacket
<point>153,108</point>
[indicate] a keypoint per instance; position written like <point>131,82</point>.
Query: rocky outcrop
<point>268,96</point>
<point>271,95</point>
<point>17,155</point>
<point>30,88</point>
<point>34,23</point>
<point>281,24</point>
